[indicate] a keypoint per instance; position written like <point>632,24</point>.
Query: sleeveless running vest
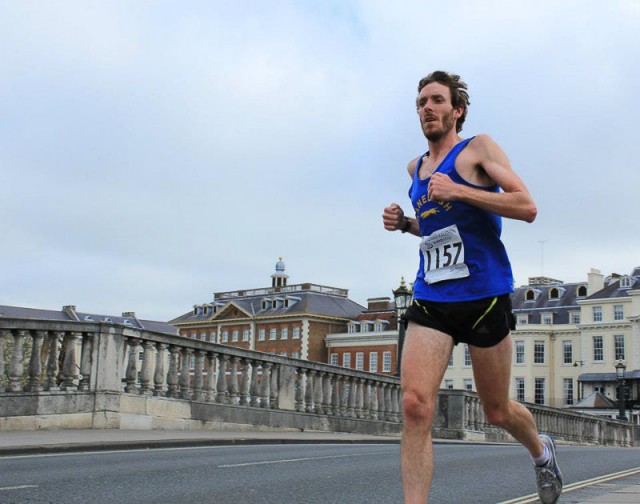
<point>461,255</point>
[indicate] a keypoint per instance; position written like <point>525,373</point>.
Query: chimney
<point>70,310</point>
<point>129,314</point>
<point>596,281</point>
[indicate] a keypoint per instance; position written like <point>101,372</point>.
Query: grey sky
<point>155,152</point>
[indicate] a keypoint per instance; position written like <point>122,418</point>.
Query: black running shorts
<point>482,323</point>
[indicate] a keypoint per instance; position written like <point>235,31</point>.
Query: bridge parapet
<point>76,374</point>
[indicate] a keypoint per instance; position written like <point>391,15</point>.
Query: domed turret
<point>279,278</point>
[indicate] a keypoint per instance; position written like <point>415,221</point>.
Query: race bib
<point>443,253</point>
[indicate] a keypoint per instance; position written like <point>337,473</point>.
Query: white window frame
<point>359,361</point>
<point>467,356</point>
<point>225,336</point>
<point>273,333</point>
<point>373,362</point>
<point>235,335</point>
<point>296,333</point>
<point>618,312</point>
<point>519,347</point>
<point>333,360</point>
<point>262,334</point>
<point>540,389</point>
<point>567,351</point>
<point>386,362</point>
<point>520,389</point>
<point>346,360</point>
<point>619,350</point>
<point>537,352</point>
<point>596,312</point>
<point>284,333</point>
<point>598,348</point>
<point>245,335</point>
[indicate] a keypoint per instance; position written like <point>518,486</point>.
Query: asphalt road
<point>303,474</point>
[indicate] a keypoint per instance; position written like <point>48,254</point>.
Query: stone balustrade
<point>66,374</point>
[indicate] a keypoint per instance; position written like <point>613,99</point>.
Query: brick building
<point>287,320</point>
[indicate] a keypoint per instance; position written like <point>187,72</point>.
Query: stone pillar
<point>373,405</point>
<point>344,396</point>
<point>317,393</point>
<point>146,388</point>
<point>233,380</point>
<point>51,383</point>
<point>300,389</point>
<point>255,385</point>
<point>131,375</point>
<point>388,406</point>
<point>336,399</point>
<point>353,397</point>
<point>308,396</point>
<point>210,384</point>
<point>4,334</point>
<point>173,390</point>
<point>221,396</point>
<point>327,393</point>
<point>70,372</point>
<point>245,385</point>
<point>198,376</point>
<point>359,401</point>
<point>366,404</point>
<point>16,366</point>
<point>274,391</point>
<point>381,402</point>
<point>394,404</point>
<point>185,374</point>
<point>158,375</point>
<point>265,389</point>
<point>35,364</point>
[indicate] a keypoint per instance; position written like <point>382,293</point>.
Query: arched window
<point>582,291</point>
<point>554,293</point>
<point>530,295</point>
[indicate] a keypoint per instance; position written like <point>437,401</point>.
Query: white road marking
<point>528,499</point>
<point>20,487</point>
<point>286,461</point>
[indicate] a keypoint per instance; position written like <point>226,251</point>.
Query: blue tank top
<point>463,258</point>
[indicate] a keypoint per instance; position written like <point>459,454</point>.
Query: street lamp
<point>620,369</point>
<point>402,297</point>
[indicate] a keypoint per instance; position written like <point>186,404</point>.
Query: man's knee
<point>497,415</point>
<point>417,408</point>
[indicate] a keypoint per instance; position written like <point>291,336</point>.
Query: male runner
<point>460,190</point>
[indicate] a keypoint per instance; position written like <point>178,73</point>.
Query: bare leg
<point>492,374</point>
<point>424,360</point>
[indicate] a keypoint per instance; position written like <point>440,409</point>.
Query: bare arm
<point>514,202</point>
<point>393,216</point>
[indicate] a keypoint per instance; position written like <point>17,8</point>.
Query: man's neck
<point>441,147</point>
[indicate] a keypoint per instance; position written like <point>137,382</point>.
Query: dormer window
<point>88,318</point>
<point>625,282</point>
<point>352,327</point>
<point>582,291</point>
<point>127,322</point>
<point>530,295</point>
<point>266,304</point>
<point>554,293</point>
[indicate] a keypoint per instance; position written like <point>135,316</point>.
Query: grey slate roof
<point>595,400</point>
<point>60,315</point>
<point>613,290</point>
<point>561,306</point>
<point>306,303</point>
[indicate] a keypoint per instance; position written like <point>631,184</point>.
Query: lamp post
<point>620,369</point>
<point>402,297</point>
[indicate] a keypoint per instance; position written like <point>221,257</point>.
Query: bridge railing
<point>67,357</point>
<point>113,374</point>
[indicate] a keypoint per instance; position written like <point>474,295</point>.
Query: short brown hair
<point>458,89</point>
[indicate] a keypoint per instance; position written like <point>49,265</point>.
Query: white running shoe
<point>548,476</point>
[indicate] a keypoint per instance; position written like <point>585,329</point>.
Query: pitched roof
<point>595,400</point>
<point>64,315</point>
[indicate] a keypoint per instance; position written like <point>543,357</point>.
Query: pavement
<point>12,443</point>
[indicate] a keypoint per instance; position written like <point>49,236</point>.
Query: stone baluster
<point>86,361</point>
<point>132,367</point>
<point>353,397</point>
<point>198,376</point>
<point>255,385</point>
<point>70,370</point>
<point>477,419</point>
<point>366,402</point>
<point>318,393</point>
<point>344,397</point>
<point>327,393</point>
<point>336,398</point>
<point>381,402</point>
<point>173,389</point>
<point>35,363</point>
<point>3,334</point>
<point>146,388</point>
<point>245,386</point>
<point>274,388</point>
<point>300,389</point>
<point>233,381</point>
<point>265,389</point>
<point>388,406</point>
<point>395,410</point>
<point>16,367</point>
<point>210,384</point>
<point>51,383</point>
<point>185,373</point>
<point>373,405</point>
<point>222,394</point>
<point>360,398</point>
<point>308,396</point>
<point>158,374</point>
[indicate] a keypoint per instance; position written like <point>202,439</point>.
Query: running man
<point>460,191</point>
